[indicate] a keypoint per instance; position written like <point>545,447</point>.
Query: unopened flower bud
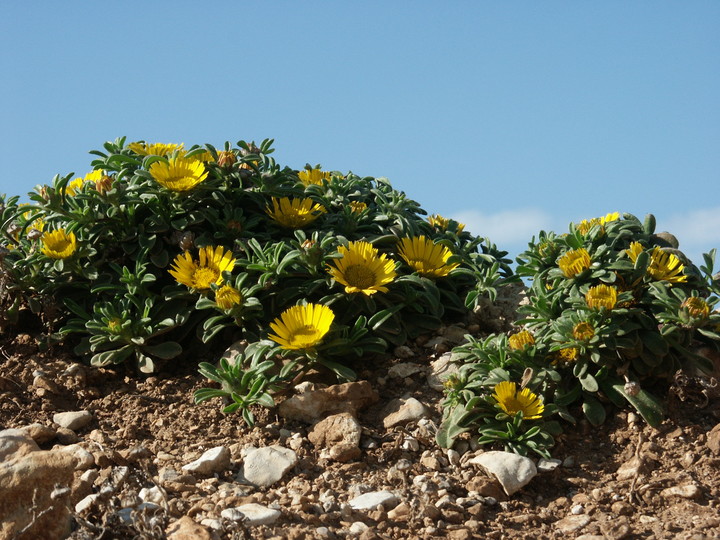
<point>308,244</point>
<point>187,241</point>
<point>34,234</point>
<point>13,229</point>
<point>226,158</point>
<point>104,184</point>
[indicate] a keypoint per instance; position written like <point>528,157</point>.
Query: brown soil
<point>147,423</point>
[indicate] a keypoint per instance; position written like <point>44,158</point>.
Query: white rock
<point>126,516</point>
<point>73,420</point>
<point>152,495</point>
<point>357,528</point>
<point>688,491</point>
<point>265,466</point>
<point>440,370</point>
<point>403,411</point>
<point>547,465</point>
<point>15,443</point>
<point>252,514</point>
<point>214,460</point>
<point>84,459</point>
<point>512,471</point>
<point>571,524</point>
<point>370,501</point>
<point>210,523</point>
<point>405,369</point>
<point>86,503</point>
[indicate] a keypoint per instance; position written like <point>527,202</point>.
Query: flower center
<point>204,276</point>
<point>303,335</point>
<point>360,276</point>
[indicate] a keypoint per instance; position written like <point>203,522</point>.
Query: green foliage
<point>614,311</point>
<point>162,248</point>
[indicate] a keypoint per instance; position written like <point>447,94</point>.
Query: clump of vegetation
<point>614,310</point>
<point>161,248</point>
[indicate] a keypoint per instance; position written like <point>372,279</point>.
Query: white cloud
<point>507,226</point>
<point>697,228</point>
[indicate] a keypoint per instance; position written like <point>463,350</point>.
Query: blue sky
<point>511,116</point>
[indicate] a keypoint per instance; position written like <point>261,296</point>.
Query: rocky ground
<point>104,453</point>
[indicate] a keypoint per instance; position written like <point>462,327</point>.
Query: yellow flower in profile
<point>313,176</point>
<point>227,296</point>
<point>635,249</point>
<point>427,258</point>
<point>178,173</point>
<point>511,401</point>
<point>607,218</point>
<point>155,149</point>
<point>601,296</point>
<point>200,274</point>
<point>586,224</point>
<point>574,262</point>
<point>294,213</point>
<point>520,340</point>
<point>59,244</point>
<point>665,266</point>
<point>442,223</point>
<point>583,331</point>
<point>73,186</point>
<point>358,207</point>
<point>696,307</point>
<point>301,327</point>
<point>362,269</point>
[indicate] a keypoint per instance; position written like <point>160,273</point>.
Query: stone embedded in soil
<point>214,460</point>
<point>572,524</point>
<point>688,491</point>
<point>548,465</point>
<point>440,370</point>
<point>370,501</point>
<point>84,459</point>
<point>40,433</point>
<point>29,482</point>
<point>512,471</point>
<point>252,514</point>
<point>186,528</point>
<point>339,435</point>
<point>313,405</point>
<point>403,411</point>
<point>713,440</point>
<point>265,466</point>
<point>631,468</point>
<point>73,420</point>
<point>16,443</point>
<point>405,369</point>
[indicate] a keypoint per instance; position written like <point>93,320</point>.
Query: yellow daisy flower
<point>294,213</point>
<point>574,262</point>
<point>59,244</point>
<point>583,331</point>
<point>358,207</point>
<point>313,176</point>
<point>520,340</point>
<point>73,186</point>
<point>511,401</point>
<point>200,274</point>
<point>566,356</point>
<point>155,149</point>
<point>442,223</point>
<point>178,173</point>
<point>635,249</point>
<point>427,258</point>
<point>601,296</point>
<point>301,327</point>
<point>696,307</point>
<point>227,296</point>
<point>665,266</point>
<point>362,269</point>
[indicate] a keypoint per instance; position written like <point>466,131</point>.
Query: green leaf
<point>593,410</point>
<point>646,404</point>
<point>166,350</point>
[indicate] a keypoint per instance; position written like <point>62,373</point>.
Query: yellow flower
<point>72,187</point>
<point>155,149</point>
<point>362,269</point>
<point>59,244</point>
<point>607,218</point>
<point>428,259</point>
<point>566,356</point>
<point>294,213</point>
<point>583,331</point>
<point>520,340</point>
<point>634,250</point>
<point>601,296</point>
<point>226,297</point>
<point>511,401</point>
<point>696,307</point>
<point>313,176</point>
<point>574,262</point>
<point>200,274</point>
<point>358,207</point>
<point>586,224</point>
<point>301,327</point>
<point>442,223</point>
<point>665,266</point>
<point>178,173</point>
